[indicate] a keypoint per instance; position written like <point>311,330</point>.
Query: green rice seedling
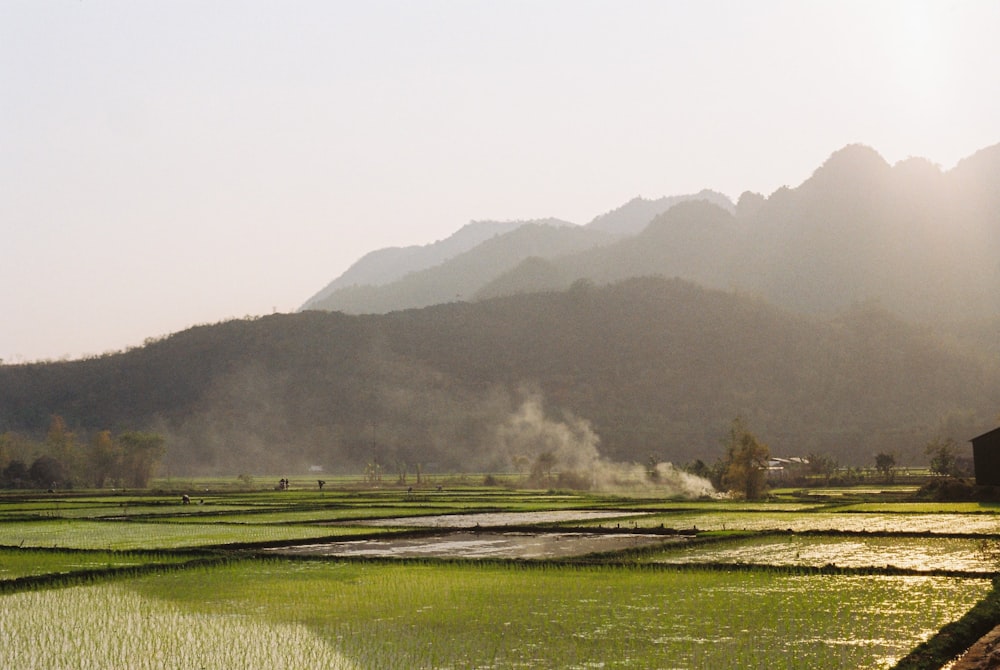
<point>720,506</point>
<point>100,627</point>
<point>501,616</point>
<point>122,535</point>
<point>317,515</point>
<point>16,563</point>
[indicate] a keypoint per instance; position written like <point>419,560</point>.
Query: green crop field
<point>145,581</point>
<point>473,616</point>
<point>18,563</point>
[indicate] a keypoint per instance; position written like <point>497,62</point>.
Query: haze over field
<point>167,164</point>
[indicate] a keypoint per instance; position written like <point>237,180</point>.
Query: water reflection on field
<point>464,544</point>
<point>496,519</point>
<point>970,524</point>
<point>876,552</point>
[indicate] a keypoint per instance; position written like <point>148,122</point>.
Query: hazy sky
<point>169,163</point>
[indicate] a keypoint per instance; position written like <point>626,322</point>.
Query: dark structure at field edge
<point>986,457</point>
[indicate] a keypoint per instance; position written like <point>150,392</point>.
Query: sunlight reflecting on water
<point>846,552</point>
<point>970,524</point>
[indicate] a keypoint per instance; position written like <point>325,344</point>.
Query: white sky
<point>167,163</point>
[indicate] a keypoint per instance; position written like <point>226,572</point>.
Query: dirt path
<point>983,655</point>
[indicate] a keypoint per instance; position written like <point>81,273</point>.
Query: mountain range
<point>923,242</point>
<point>855,313</point>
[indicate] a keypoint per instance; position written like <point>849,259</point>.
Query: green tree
<point>141,452</point>
<point>15,475</point>
<point>942,457</point>
<point>47,472</point>
<point>885,464</point>
<point>823,465</point>
<point>104,456</point>
<point>699,468</point>
<point>61,445</point>
<point>745,463</point>
<point>15,447</point>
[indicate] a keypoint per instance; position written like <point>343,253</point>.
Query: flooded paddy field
<point>470,545</point>
<point>498,578</point>
<point>906,553</point>
<point>502,519</point>
<point>855,522</point>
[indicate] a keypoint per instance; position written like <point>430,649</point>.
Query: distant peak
<point>852,163</point>
<point>985,161</point>
<point>854,156</point>
<point>918,170</point>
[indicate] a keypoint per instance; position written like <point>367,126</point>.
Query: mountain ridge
<point>922,240</point>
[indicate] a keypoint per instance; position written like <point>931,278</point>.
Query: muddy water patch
<point>467,544</point>
<point>500,519</point>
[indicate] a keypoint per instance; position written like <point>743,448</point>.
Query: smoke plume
<point>563,451</point>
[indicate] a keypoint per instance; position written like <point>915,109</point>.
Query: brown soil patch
<point>983,655</point>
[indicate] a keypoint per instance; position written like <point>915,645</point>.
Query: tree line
<point>66,460</point>
<point>743,469</point>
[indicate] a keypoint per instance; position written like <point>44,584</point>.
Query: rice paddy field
<point>489,577</point>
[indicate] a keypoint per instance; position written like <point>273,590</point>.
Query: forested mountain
<point>923,242</point>
<point>639,368</point>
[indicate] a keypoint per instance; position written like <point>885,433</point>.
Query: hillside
<point>645,367</point>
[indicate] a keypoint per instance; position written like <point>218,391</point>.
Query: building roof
<point>988,433</point>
